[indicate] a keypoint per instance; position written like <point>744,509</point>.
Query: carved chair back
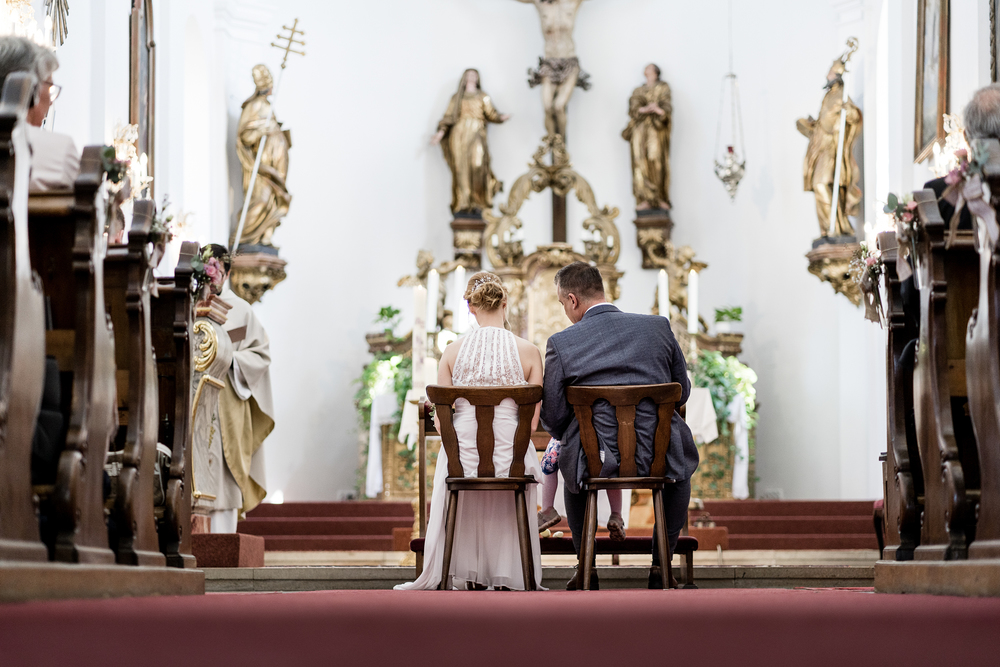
<point>485,399</point>
<point>625,399</point>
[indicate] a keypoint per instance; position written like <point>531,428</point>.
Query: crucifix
<point>558,74</point>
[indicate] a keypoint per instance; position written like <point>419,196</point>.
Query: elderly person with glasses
<point>55,161</point>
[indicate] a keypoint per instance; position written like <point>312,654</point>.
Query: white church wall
<point>368,191</point>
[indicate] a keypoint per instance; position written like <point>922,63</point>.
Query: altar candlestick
<point>433,295</point>
<point>664,295</point>
<point>692,302</point>
<point>419,337</point>
<point>460,314</point>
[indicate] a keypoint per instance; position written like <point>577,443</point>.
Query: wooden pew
<point>948,281</point>
<point>128,276</point>
<point>22,333</point>
<point>983,374</point>
<point>66,233</point>
<point>172,320</point>
<point>904,479</point>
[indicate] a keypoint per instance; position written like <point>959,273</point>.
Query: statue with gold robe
<point>462,135</point>
<point>270,199</point>
<point>821,156</point>
<point>648,135</point>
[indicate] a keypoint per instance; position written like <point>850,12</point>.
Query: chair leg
<point>662,543</point>
<point>689,571</point>
<point>524,539</point>
<point>588,547</point>
<point>449,540</point>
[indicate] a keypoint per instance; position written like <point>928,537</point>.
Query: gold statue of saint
<point>462,135</point>
<point>270,199</point>
<point>648,135</point>
<point>821,156</point>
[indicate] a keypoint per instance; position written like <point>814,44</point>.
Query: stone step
<point>760,508</point>
<point>328,543</point>
<point>309,526</point>
<point>349,508</point>
<point>783,525</point>
<point>843,541</point>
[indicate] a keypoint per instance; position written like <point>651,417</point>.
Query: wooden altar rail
<point>942,477</point>
<point>69,296</point>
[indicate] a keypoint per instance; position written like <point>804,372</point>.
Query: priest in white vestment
<point>246,410</point>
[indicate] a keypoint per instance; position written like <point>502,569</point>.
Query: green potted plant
<point>725,319</point>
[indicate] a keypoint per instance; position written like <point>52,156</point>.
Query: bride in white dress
<point>486,551</point>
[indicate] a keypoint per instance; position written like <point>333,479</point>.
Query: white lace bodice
<point>488,358</point>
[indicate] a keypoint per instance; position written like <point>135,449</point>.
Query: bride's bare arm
<point>531,361</point>
<point>445,369</point>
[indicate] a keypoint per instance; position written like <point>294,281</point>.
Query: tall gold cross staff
<point>289,40</point>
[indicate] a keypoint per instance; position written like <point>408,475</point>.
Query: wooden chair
<point>486,399</point>
<point>904,482</point>
<point>66,237</point>
<point>624,399</point>
<point>22,332</point>
<point>949,288</point>
<point>982,355</point>
<point>172,321</point>
<point>128,275</point>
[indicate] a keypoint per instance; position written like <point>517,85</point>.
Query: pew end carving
<point>22,333</point>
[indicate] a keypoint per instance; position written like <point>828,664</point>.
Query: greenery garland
<point>725,378</point>
<point>385,369</point>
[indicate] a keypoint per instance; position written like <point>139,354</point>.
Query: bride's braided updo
<point>485,291</point>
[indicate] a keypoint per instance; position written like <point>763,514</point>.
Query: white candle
<point>419,337</point>
<point>430,370</point>
<point>433,295</point>
<point>693,302</point>
<point>664,295</point>
<point>460,312</point>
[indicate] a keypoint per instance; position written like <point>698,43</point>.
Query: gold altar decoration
<point>253,274</point>
<point>821,165</point>
<point>533,309</point>
<point>831,263</point>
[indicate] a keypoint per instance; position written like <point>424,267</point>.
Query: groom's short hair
<point>581,279</point>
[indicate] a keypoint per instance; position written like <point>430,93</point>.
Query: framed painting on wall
<point>993,40</point>
<point>932,76</point>
<point>142,75</point>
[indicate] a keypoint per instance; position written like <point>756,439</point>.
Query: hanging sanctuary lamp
<point>730,163</point>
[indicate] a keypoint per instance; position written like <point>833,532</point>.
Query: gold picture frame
<point>142,80</point>
<point>932,79</point>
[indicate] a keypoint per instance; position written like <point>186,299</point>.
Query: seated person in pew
<point>982,121</point>
<point>246,412</point>
<point>55,161</point>
<point>605,346</point>
<point>548,516</point>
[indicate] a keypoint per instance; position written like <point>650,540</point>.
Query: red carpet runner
<point>412,629</point>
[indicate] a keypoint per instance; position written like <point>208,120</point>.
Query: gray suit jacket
<point>609,347</point>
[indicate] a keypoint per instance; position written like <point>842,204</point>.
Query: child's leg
<point>550,484</point>
<point>615,500</point>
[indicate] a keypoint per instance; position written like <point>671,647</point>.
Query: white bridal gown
<point>486,549</point>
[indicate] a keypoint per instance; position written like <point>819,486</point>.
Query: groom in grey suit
<point>608,347</point>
